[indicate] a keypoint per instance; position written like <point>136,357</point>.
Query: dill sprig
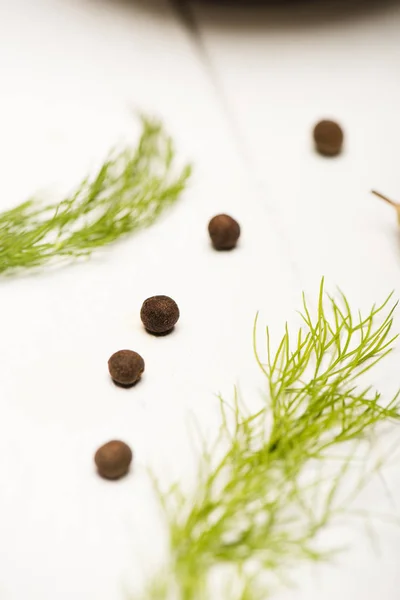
<point>259,508</point>
<point>130,189</point>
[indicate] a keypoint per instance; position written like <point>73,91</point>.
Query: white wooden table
<point>240,91</point>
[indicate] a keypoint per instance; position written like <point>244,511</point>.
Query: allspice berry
<point>224,232</point>
<point>159,314</point>
<point>113,459</point>
<point>328,137</point>
<point>126,367</point>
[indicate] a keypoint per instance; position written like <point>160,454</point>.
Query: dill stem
<point>129,190</point>
<point>385,198</point>
<point>259,509</point>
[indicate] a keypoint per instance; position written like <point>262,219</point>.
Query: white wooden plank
<point>279,70</point>
<point>71,71</point>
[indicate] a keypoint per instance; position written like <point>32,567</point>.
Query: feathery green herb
<point>259,508</point>
<point>129,190</point>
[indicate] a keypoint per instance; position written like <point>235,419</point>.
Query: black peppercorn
<point>113,459</point>
<point>159,314</point>
<point>224,232</point>
<point>328,137</point>
<point>126,367</point>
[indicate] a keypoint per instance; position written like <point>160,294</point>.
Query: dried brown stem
<point>385,198</point>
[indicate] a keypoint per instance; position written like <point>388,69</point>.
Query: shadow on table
<point>160,9</point>
<point>240,14</point>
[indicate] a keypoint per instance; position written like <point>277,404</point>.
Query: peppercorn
<point>113,459</point>
<point>159,314</point>
<point>126,367</point>
<point>328,137</point>
<point>224,232</point>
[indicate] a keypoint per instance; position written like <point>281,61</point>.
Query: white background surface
<point>240,93</point>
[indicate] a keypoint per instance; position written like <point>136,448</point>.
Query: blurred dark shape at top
<point>291,14</point>
<point>237,15</point>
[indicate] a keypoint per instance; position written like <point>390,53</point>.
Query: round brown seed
<point>113,459</point>
<point>328,137</point>
<point>224,232</point>
<point>159,314</point>
<point>126,367</point>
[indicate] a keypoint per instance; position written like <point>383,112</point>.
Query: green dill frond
<point>258,509</point>
<point>130,189</point>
